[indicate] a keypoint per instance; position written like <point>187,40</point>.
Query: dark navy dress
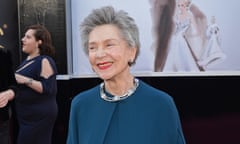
<point>36,112</point>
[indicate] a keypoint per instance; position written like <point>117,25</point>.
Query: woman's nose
<point>100,52</point>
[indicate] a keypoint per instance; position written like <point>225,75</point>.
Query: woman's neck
<point>33,55</point>
<point>119,86</point>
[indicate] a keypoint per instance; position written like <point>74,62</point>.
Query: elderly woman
<point>122,109</point>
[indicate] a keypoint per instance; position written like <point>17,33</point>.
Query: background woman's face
<point>29,43</point>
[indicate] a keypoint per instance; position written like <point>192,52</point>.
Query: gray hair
<point>107,15</point>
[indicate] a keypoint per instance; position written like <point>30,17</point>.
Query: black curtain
<point>51,14</point>
<point>9,34</point>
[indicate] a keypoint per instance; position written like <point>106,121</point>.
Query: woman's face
<point>108,53</point>
<point>29,43</point>
<point>182,4</point>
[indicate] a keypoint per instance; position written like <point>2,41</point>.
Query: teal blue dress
<point>149,116</point>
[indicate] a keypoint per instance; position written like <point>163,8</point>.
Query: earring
<point>130,62</point>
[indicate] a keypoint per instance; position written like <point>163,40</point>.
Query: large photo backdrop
<point>177,36</point>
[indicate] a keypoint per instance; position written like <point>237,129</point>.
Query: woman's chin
<point>104,76</point>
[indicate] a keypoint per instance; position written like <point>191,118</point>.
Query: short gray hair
<point>107,15</point>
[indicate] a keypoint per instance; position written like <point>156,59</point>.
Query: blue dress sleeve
<point>50,84</point>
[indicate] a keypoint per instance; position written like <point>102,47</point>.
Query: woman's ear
<point>39,42</point>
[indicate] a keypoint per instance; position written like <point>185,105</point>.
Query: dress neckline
<point>32,58</point>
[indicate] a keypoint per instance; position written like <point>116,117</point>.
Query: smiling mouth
<point>104,65</point>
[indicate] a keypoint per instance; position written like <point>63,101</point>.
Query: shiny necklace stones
<point>118,98</point>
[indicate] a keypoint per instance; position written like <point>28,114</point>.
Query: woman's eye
<point>108,45</point>
<point>92,48</point>
<point>111,44</point>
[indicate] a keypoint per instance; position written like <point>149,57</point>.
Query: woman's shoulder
<point>154,93</point>
<point>5,57</point>
<point>86,96</point>
<point>5,51</point>
<point>48,59</point>
<point>41,57</point>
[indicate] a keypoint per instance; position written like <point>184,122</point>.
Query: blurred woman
<point>36,105</point>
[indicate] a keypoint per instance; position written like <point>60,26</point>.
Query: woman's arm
<point>46,72</point>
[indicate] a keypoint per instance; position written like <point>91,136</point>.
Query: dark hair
<point>41,33</point>
<point>164,32</point>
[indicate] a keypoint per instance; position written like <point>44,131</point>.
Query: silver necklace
<point>118,98</point>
